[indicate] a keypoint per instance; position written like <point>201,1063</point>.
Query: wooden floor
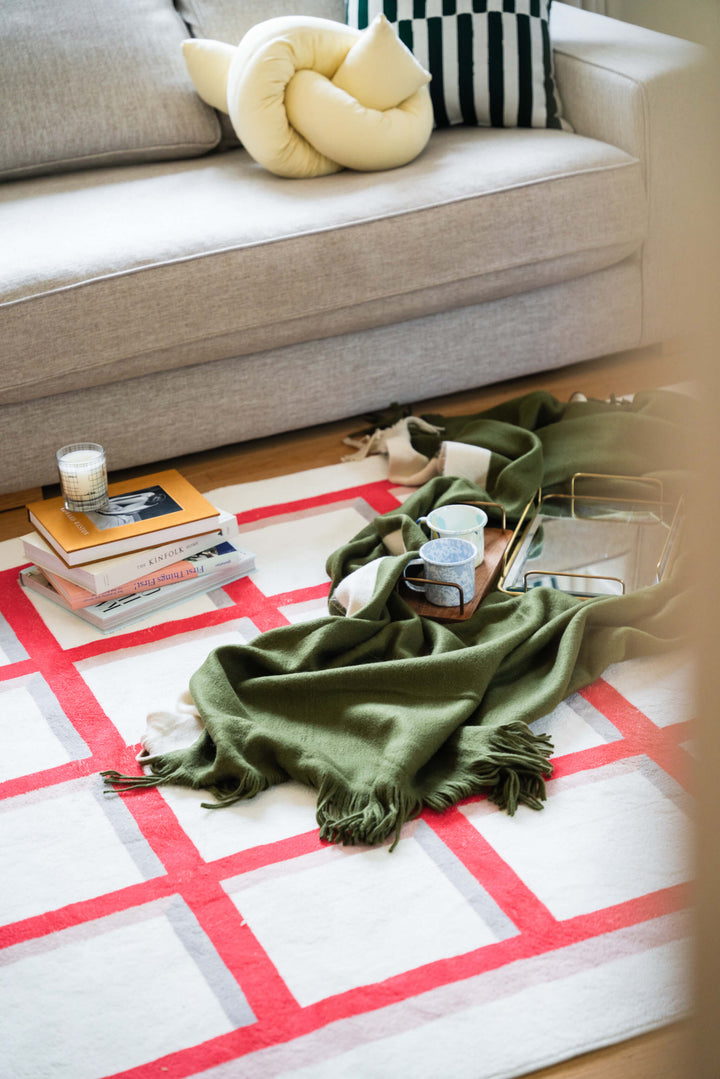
<point>658,1055</point>
<point>315,446</point>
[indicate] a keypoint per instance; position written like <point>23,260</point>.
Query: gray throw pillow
<point>96,82</point>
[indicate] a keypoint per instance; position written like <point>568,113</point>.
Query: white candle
<point>84,468</point>
<point>83,475</point>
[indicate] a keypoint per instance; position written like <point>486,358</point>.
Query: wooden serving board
<point>496,543</point>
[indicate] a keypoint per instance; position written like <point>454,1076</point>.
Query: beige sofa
<point>161,293</point>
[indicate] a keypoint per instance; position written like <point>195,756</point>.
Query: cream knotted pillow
<point>309,96</point>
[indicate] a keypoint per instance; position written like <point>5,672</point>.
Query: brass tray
<point>595,544</point>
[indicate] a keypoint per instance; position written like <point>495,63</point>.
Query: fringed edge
<point>522,763</point>
<point>130,783</point>
<point>368,818</point>
<point>170,774</point>
<point>512,772</point>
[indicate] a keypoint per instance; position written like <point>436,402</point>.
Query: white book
<point>109,573</point>
<point>124,610</point>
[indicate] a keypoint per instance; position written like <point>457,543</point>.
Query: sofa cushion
<point>107,276</point>
<point>95,83</point>
<point>491,63</point>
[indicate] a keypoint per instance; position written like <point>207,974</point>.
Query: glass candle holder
<point>83,476</point>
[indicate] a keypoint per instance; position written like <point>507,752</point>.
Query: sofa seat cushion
<point>113,274</point>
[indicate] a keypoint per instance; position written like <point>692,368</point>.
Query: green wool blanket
<point>385,712</point>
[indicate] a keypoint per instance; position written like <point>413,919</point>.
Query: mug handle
<point>408,580</point>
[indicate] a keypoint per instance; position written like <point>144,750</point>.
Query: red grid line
<point>639,733</point>
<point>377,495</point>
<point>502,884</point>
<point>284,1022</point>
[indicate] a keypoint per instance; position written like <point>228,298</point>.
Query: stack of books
<point>158,542</point>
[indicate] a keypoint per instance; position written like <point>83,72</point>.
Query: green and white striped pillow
<point>490,60</point>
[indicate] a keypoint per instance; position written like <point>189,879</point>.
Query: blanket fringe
<point>164,774</point>
<point>368,818</point>
<point>129,782</point>
<point>522,761</point>
<point>512,773</point>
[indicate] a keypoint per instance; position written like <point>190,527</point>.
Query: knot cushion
<point>309,96</point>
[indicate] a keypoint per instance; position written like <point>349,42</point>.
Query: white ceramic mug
<point>450,562</point>
<point>458,522</point>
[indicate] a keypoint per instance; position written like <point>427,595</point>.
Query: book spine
<point>152,560</point>
<point>195,565</point>
<point>119,612</point>
<point>131,544</point>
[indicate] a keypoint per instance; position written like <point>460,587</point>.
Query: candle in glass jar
<point>83,476</point>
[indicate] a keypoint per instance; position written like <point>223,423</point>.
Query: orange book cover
<point>153,509</point>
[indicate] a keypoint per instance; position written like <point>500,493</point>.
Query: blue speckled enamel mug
<point>458,522</point>
<point>449,562</point>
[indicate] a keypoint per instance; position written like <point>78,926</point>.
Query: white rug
<point>144,936</point>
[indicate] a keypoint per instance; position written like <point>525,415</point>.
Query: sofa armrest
<point>648,94</point>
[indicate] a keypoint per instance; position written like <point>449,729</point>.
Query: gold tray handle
<point>575,576</point>
<point>651,480</point>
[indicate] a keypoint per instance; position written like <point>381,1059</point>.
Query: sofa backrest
<point>104,82</point>
<point>229,20</point>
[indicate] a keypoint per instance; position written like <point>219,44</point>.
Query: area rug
<point>145,936</point>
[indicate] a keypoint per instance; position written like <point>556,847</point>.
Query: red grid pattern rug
<point>144,936</point>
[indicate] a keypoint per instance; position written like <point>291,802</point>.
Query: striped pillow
<point>490,60</point>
